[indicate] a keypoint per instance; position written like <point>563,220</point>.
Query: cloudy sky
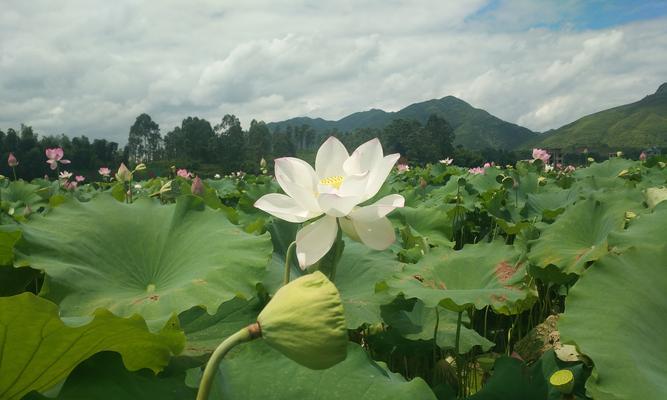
<point>90,67</point>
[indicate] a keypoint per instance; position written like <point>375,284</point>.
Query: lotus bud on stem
<point>304,321</point>
<point>246,334</point>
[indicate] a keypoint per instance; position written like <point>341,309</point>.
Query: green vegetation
<point>638,125</point>
<point>496,281</point>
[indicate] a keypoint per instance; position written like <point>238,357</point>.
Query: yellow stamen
<point>333,181</point>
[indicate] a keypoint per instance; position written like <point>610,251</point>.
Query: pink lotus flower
<point>642,156</point>
<point>539,154</point>
<point>55,156</point>
<point>447,161</point>
<point>183,173</point>
<point>12,161</point>
<point>104,171</point>
<point>65,175</point>
<point>569,168</point>
<point>69,185</point>
<point>489,164</point>
<point>477,171</point>
<point>79,178</point>
<point>402,168</point>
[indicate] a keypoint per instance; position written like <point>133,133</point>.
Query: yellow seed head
<point>333,181</point>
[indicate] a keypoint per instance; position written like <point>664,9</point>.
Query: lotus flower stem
<point>14,171</point>
<point>244,335</point>
<point>458,332</point>
<point>288,259</point>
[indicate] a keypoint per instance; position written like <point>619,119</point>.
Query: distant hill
<point>637,125</point>
<point>474,128</point>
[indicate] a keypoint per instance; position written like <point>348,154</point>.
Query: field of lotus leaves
<point>497,279</point>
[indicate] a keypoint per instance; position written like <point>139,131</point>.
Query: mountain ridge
<point>473,127</point>
<point>639,124</point>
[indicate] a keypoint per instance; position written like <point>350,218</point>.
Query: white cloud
<point>81,67</point>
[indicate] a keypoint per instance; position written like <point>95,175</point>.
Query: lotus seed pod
<point>305,322</point>
<point>563,381</point>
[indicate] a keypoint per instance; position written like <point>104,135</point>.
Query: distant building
<point>556,156</point>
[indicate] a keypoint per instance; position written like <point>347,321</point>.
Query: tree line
<point>226,147</point>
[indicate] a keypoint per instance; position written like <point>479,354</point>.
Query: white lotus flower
<point>337,185</point>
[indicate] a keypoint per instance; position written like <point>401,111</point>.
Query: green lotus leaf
<point>513,379</point>
<point>580,234</point>
<point>655,196</point>
<point>143,258</point>
<point>21,193</point>
<point>614,315</point>
<point>359,275</point>
<point>602,175</point>
<point>9,235</point>
<point>103,377</point>
<point>258,372</point>
<point>416,322</point>
<point>39,350</point>
<point>204,332</point>
<point>644,230</point>
<point>549,205</point>
<point>434,224</point>
<point>476,276</point>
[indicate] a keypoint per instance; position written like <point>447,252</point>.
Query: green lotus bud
<point>563,381</point>
<point>305,322</point>
<point>123,174</point>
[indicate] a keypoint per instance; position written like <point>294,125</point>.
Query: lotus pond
<point>521,282</point>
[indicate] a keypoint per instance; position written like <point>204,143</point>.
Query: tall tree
<point>231,148</point>
<point>258,145</point>
<point>144,143</point>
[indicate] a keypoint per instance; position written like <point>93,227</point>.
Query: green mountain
<point>474,128</point>
<point>637,125</point>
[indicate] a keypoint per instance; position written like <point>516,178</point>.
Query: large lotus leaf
<point>103,377</point>
<point>548,205</point>
<point>257,371</point>
<point>359,277</point>
<point>644,230</point>
<point>142,258</point>
<point>419,323</point>
<point>20,193</point>
<point>514,380</point>
<point>37,349</point>
<point>434,224</point>
<point>580,234</point>
<point>606,169</point>
<point>9,235</point>
<point>654,196</point>
<point>204,332</point>
<point>476,276</point>
<point>615,315</point>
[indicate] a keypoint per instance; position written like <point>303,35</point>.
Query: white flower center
<point>333,181</point>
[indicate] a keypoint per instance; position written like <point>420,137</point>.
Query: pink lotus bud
<point>197,187</point>
<point>642,156</point>
<point>12,161</point>
<point>123,174</point>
